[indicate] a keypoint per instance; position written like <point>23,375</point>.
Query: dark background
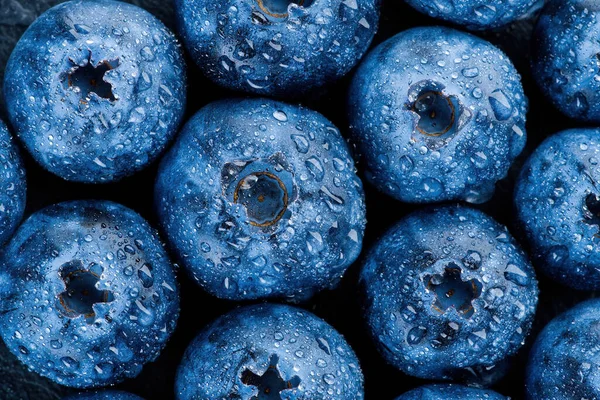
<point>339,307</point>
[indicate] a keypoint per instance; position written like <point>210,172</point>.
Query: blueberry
<point>269,352</point>
<point>105,395</point>
<point>478,14</point>
<point>12,185</point>
<point>450,392</point>
<point>558,206</point>
<point>563,363</point>
<point>260,199</point>
<point>88,295</point>
<point>566,57</point>
<point>438,115</point>
<point>95,89</point>
<point>276,47</point>
<point>448,291</point>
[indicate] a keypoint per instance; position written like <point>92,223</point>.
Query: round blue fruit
<point>260,199</point>
<point>13,185</point>
<point>95,89</point>
<point>277,47</point>
<point>558,207</point>
<point>88,295</point>
<point>566,57</point>
<point>437,115</point>
<point>478,14</point>
<point>105,395</point>
<point>563,363</point>
<point>448,293</point>
<point>269,352</point>
<point>450,392</point>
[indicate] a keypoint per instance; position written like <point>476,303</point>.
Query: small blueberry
<point>260,199</point>
<point>269,352</point>
<point>13,184</point>
<point>450,392</point>
<point>558,207</point>
<point>105,395</point>
<point>566,57</point>
<point>448,293</point>
<point>87,293</point>
<point>276,47</point>
<point>95,89</point>
<point>478,14</point>
<point>437,115</point>
<point>563,363</point>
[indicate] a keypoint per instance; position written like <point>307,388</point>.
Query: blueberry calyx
<point>89,78</point>
<point>279,8</point>
<point>452,292</point>
<point>80,294</point>
<point>591,211</point>
<point>264,196</point>
<point>436,113</point>
<point>270,384</point>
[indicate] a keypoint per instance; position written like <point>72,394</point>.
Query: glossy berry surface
<point>105,395</point>
<point>563,363</point>
<point>450,392</point>
<point>558,207</point>
<point>566,57</point>
<point>438,115</point>
<point>276,47</point>
<point>269,352</point>
<point>477,14</point>
<point>260,199</point>
<point>88,293</point>
<point>448,293</point>
<point>12,185</point>
<point>95,89</point>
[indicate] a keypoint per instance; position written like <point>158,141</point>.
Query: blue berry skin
<point>448,291</point>
<point>563,363</point>
<point>13,186</point>
<point>437,115</point>
<point>450,392</point>
<point>566,57</point>
<point>88,295</point>
<point>105,395</point>
<point>260,199</point>
<point>478,14</point>
<point>558,206</point>
<point>280,48</point>
<point>95,89</point>
<point>268,352</point>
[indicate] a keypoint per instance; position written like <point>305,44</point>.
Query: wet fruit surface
<point>437,115</point>
<point>269,352</point>
<point>263,202</point>
<point>448,294</point>
<point>102,96</point>
<point>88,293</point>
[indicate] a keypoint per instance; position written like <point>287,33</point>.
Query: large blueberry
<point>448,293</point>
<point>260,199</point>
<point>478,14</point>
<point>566,57</point>
<point>12,185</point>
<point>95,89</point>
<point>269,352</point>
<point>276,47</point>
<point>564,361</point>
<point>557,200</point>
<point>105,395</point>
<point>450,392</point>
<point>88,295</point>
<point>438,115</point>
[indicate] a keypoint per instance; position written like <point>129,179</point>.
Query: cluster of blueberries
<point>260,200</point>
